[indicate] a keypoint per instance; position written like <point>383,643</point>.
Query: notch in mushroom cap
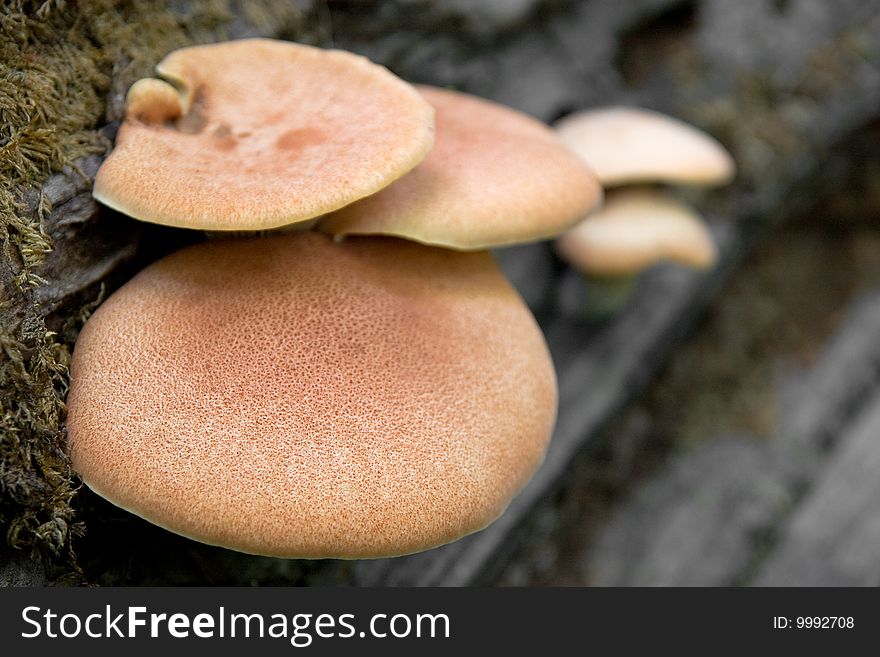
<point>256,134</point>
<point>635,229</point>
<point>296,397</point>
<point>494,177</point>
<point>626,145</point>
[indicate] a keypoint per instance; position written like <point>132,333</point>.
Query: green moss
<point>60,63</point>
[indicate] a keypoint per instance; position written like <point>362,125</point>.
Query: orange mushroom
<point>296,397</point>
<point>494,177</point>
<point>257,134</point>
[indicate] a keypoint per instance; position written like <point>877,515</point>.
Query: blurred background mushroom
<point>634,229</point>
<point>631,145</point>
<point>704,432</point>
<point>633,151</point>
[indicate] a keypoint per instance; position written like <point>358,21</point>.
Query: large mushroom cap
<point>294,397</point>
<point>494,177</point>
<point>631,145</point>
<point>256,134</point>
<point>635,229</point>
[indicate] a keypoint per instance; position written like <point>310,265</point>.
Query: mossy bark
<point>64,69</point>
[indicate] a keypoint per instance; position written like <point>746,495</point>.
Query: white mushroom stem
<point>605,296</point>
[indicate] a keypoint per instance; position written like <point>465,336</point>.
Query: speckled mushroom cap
<point>626,145</point>
<point>256,134</point>
<point>295,397</point>
<point>494,177</point>
<point>635,229</point>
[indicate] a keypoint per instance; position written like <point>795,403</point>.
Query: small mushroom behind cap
<point>635,229</point>
<point>153,101</point>
<point>626,145</point>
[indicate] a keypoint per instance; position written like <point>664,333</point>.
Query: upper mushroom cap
<point>495,177</point>
<point>630,145</point>
<point>295,397</point>
<point>261,134</point>
<point>635,229</point>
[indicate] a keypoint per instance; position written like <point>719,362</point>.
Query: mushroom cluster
<point>368,386</point>
<point>632,150</point>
